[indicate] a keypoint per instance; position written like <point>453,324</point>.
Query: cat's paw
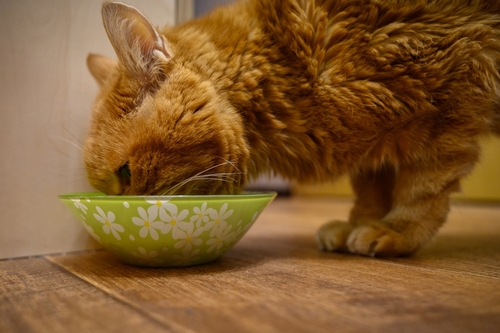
<point>332,236</point>
<point>373,240</point>
<point>377,241</point>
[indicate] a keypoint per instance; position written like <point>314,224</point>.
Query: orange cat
<point>395,93</point>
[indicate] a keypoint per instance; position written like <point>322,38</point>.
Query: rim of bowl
<point>102,196</point>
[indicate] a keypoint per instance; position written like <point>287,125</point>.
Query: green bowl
<point>167,231</point>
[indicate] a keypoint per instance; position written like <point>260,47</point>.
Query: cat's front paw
<point>378,241</point>
<point>332,236</point>
<point>373,240</point>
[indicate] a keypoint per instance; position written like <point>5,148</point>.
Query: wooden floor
<point>274,280</point>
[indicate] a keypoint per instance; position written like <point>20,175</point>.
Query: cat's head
<point>158,127</point>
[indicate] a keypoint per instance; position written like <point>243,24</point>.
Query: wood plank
<point>38,296</point>
<point>275,280</point>
<point>469,243</point>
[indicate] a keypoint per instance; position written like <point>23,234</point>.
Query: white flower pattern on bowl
<point>187,257</point>
<point>90,230</point>
<point>156,232</point>
<point>174,221</point>
<point>148,258</point>
<point>108,221</point>
<point>79,205</point>
<point>200,214</point>
<point>218,219</point>
<point>148,223</point>
<point>159,203</point>
<point>189,237</point>
<point>222,236</point>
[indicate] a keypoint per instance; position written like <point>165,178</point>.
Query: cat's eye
<point>124,171</point>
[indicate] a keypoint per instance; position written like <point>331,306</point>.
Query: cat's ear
<point>140,48</point>
<point>100,67</point>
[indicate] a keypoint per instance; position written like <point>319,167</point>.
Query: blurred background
<point>46,95</point>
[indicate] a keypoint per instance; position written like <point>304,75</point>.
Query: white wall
<point>45,100</point>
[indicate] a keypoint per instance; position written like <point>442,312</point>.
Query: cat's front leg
<point>419,206</point>
<point>373,192</point>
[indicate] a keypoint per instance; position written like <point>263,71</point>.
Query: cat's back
<point>406,30</point>
<point>388,60</point>
<point>407,57</point>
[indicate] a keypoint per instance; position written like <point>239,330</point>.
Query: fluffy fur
<point>395,93</point>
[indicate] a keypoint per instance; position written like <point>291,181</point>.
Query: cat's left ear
<point>140,48</point>
<point>100,67</point>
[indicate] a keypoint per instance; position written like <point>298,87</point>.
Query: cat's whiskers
<point>75,137</point>
<point>67,141</point>
<point>230,163</point>
<point>202,175</point>
<point>223,177</point>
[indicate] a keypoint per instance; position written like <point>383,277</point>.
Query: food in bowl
<point>167,231</point>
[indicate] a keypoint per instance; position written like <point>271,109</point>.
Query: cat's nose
<point>124,176</point>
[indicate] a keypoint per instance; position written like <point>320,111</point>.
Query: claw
<point>371,251</point>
